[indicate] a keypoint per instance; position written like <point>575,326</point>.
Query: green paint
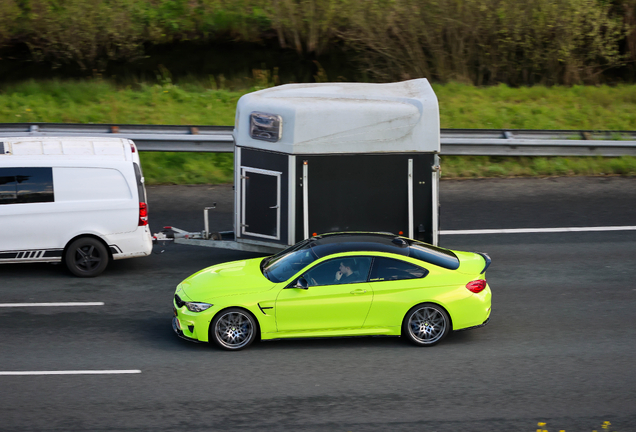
<point>355,309</point>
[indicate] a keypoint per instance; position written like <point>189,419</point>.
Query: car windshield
<point>285,264</point>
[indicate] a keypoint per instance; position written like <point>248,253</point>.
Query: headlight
<point>197,307</point>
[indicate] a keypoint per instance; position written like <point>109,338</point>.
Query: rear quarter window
<point>386,269</point>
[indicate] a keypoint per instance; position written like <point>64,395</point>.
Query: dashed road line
<point>537,230</point>
<point>72,372</point>
<point>7,305</point>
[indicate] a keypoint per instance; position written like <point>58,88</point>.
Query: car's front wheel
<point>233,329</point>
<point>426,324</point>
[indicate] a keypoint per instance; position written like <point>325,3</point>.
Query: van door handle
<point>274,207</point>
<point>358,291</point>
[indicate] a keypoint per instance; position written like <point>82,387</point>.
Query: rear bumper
<point>133,244</point>
<point>477,326</point>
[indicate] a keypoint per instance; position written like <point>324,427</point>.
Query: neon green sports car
<point>341,284</point>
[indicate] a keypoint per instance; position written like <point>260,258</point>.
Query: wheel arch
<point>252,314</point>
<point>96,237</point>
<point>450,317</point>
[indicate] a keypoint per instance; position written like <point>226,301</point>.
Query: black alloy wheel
<point>86,257</point>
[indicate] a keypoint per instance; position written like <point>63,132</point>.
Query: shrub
<point>486,41</point>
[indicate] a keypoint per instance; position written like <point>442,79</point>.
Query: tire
<point>233,329</point>
<point>86,257</point>
<point>426,324</point>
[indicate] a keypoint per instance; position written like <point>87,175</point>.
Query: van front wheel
<point>86,257</point>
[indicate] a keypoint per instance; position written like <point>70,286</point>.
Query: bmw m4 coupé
<point>341,284</point>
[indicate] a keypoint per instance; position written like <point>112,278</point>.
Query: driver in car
<point>345,273</point>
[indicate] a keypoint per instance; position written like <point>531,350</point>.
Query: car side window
<point>337,271</point>
<point>26,185</point>
<point>385,269</point>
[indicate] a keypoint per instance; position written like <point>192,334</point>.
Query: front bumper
<point>179,332</point>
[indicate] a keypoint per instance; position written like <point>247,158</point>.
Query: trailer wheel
<point>86,257</point>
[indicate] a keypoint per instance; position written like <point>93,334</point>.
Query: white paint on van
<point>96,193</point>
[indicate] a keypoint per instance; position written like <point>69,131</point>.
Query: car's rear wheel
<point>426,324</point>
<point>86,257</point>
<point>233,329</point>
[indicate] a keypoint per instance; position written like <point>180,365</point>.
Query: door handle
<point>274,207</point>
<point>358,291</point>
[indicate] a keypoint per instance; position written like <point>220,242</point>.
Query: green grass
<point>187,168</point>
<point>498,166</point>
<point>101,102</point>
<point>461,106</point>
<point>499,107</point>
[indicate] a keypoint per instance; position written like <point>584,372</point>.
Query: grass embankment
<point>461,106</point>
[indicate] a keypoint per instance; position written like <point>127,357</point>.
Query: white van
<point>80,201</point>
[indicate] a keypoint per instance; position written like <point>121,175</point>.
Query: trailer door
<point>260,203</point>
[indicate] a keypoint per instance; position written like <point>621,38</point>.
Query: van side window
<point>26,185</point>
<point>8,191</point>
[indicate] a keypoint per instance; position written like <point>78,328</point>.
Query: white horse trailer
<point>317,158</point>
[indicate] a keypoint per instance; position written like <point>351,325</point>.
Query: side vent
<point>264,308</point>
<point>1,148</point>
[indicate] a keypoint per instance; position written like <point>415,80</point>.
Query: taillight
<point>143,214</point>
<point>476,286</point>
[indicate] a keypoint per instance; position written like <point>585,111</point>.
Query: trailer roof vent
<point>266,127</point>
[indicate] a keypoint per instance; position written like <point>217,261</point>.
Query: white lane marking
<point>76,372</point>
<point>538,230</point>
<point>51,304</point>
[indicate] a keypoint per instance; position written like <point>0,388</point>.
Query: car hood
<point>236,277</point>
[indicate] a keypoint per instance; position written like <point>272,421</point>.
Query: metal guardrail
<point>147,137</point>
<point>473,142</point>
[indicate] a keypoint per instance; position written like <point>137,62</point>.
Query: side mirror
<point>301,283</point>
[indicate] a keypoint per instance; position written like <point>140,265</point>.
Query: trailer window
<point>266,127</point>
<point>26,185</point>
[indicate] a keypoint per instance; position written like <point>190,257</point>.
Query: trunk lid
<point>473,263</point>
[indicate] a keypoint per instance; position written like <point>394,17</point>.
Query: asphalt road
<point>560,348</point>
